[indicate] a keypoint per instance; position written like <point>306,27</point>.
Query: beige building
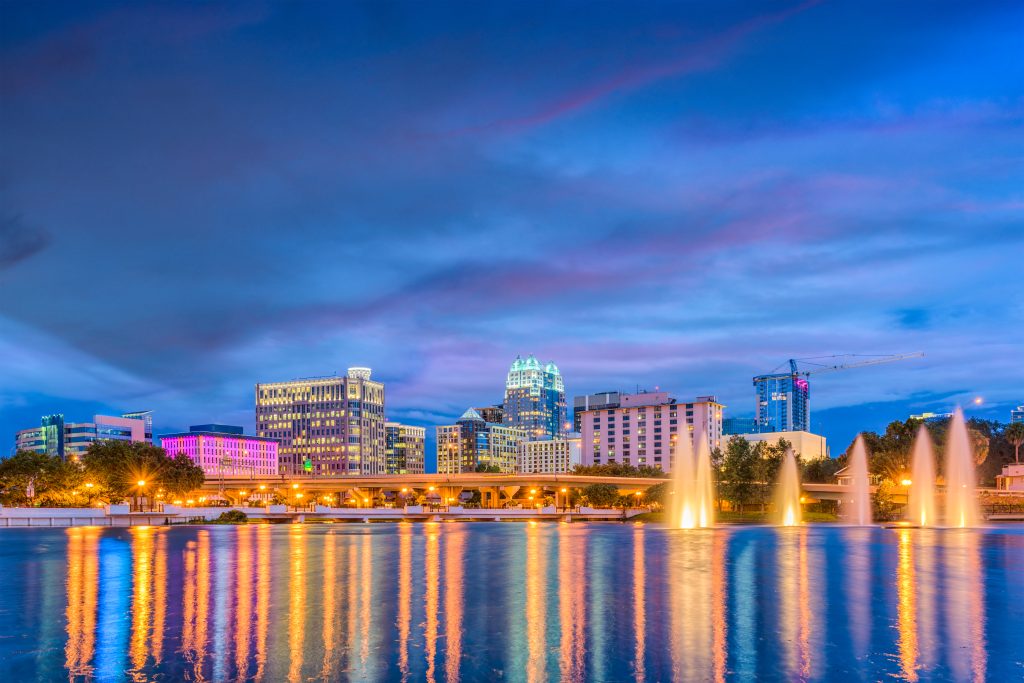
<point>326,426</point>
<point>806,445</point>
<point>550,456</point>
<point>1011,478</point>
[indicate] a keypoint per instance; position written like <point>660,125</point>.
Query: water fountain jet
<point>693,496</point>
<point>787,497</point>
<point>859,511</point>
<point>921,500</point>
<point>961,496</point>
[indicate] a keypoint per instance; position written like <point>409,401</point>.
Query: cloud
<point>19,240</point>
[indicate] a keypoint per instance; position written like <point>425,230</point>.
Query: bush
<point>601,495</point>
<point>232,517</point>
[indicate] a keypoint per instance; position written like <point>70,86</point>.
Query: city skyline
<point>191,205</point>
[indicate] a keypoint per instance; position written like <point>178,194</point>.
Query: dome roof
<point>517,365</point>
<point>551,368</point>
<point>531,363</point>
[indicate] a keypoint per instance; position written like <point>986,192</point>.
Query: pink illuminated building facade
<point>223,450</point>
<point>643,429</point>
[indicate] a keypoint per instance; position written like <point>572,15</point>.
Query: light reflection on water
<point>522,602</point>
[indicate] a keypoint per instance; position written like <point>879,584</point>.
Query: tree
<point>821,470</point>
<point>1014,433</point>
<point>30,478</point>
<point>656,494</point>
<point>739,472</point>
<point>601,495</point>
<point>116,467</point>
<point>483,468</point>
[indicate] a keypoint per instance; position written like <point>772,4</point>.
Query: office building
<point>804,444</point>
<point>1017,414</point>
<point>147,417</point>
<point>738,425</point>
<point>643,429</point>
<point>601,401</point>
<point>783,403</point>
<point>535,398</point>
<point>493,414</point>
<point>70,440</point>
<point>326,426</point>
<point>223,450</point>
<point>473,442</point>
<point>404,448</point>
<point>549,456</point>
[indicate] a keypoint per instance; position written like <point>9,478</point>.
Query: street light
<point>142,482</point>
<point>263,487</point>
<point>88,484</point>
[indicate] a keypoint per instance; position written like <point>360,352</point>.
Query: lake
<point>511,601</point>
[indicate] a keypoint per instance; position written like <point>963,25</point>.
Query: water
<point>961,497</point>
<point>858,510</point>
<point>693,487</point>
<point>512,601</point>
<point>787,495</point>
<point>921,498</point>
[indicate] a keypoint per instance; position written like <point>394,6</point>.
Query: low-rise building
<point>1011,478</point>
<point>550,456</point>
<point>643,429</point>
<point>224,450</point>
<point>70,440</point>
<point>1017,414</point>
<point>804,444</point>
<point>404,448</point>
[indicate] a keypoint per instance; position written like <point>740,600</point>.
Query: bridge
<point>496,490</point>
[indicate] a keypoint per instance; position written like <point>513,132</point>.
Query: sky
<point>198,197</point>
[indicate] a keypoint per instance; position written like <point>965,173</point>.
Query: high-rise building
<point>549,456</point>
<point>327,426</point>
<point>223,450</point>
<point>601,401</point>
<point>472,442</point>
<point>404,448</point>
<point>535,399</point>
<point>783,403</point>
<point>1017,414</point>
<point>643,429</point>
<point>70,440</point>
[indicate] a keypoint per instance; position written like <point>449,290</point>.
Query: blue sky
<point>198,197</point>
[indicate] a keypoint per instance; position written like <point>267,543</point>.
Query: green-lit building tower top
<point>535,398</point>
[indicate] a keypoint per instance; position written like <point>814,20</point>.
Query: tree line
<point>108,472</point>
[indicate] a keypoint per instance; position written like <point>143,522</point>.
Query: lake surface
<point>511,601</point>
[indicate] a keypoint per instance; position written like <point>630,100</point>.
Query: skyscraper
<point>535,399</point>
<point>326,425</point>
<point>783,403</point>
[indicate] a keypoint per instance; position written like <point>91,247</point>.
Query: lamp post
<point>142,491</point>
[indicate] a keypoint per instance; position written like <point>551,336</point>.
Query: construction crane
<point>783,398</point>
<point>821,367</point>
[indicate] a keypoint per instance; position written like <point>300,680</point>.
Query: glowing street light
<point>89,484</point>
<point>141,482</point>
<point>295,486</point>
<point>906,482</point>
<point>263,487</point>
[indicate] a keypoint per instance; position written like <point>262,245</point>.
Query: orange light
<point>263,487</point>
<point>298,495</point>
<point>564,490</point>
<point>906,482</point>
<point>89,485</point>
<point>142,482</point>
<point>295,486</point>
<point>430,488</point>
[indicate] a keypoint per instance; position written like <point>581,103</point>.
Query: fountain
<point>961,497</point>
<point>859,512</point>
<point>921,502</point>
<point>693,495</point>
<point>787,496</point>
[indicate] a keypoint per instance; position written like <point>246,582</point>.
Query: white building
<point>1012,478</point>
<point>550,456</point>
<point>806,445</point>
<point>70,440</point>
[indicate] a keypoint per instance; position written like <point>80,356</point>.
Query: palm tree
<point>1015,434</point>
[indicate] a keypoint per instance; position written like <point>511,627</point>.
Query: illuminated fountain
<point>858,510</point>
<point>787,495</point>
<point>693,497</point>
<point>921,501</point>
<point>961,497</point>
